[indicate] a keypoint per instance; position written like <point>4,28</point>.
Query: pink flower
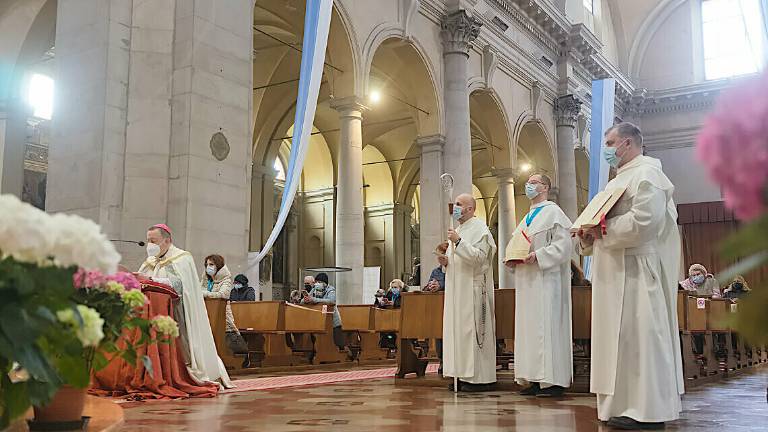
<point>128,280</point>
<point>733,145</point>
<point>78,279</point>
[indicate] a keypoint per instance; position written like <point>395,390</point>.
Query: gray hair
<point>628,130</point>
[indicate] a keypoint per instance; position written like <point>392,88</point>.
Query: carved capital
<point>351,106</point>
<point>458,30</point>
<point>567,110</point>
<point>431,143</point>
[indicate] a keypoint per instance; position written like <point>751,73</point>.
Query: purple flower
<point>733,145</point>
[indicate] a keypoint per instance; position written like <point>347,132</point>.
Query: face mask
<point>210,270</point>
<point>456,212</point>
<point>613,159</point>
<point>307,287</point>
<point>152,250</point>
<point>238,286</point>
<point>737,286</point>
<point>530,191</point>
<point>698,279</point>
<point>319,287</point>
<point>395,291</point>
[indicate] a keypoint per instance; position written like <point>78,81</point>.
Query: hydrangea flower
<point>165,325</point>
<point>91,332</point>
<point>733,145</point>
<point>133,299</point>
<point>127,280</point>
<point>114,287</point>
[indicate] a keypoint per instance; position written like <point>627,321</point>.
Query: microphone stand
<point>447,181</point>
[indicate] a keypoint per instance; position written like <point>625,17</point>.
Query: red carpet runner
<point>314,379</point>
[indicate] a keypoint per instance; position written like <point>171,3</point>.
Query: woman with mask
<point>737,289</point>
<point>700,282</point>
<point>391,297</point>
<point>217,280</point>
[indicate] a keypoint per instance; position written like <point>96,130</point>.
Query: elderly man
<point>636,365</point>
<point>175,267</point>
<point>323,293</point>
<point>543,351</point>
<point>437,277</point>
<point>469,341</point>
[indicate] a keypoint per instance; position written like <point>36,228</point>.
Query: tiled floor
<point>737,404</point>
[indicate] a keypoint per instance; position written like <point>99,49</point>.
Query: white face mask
<point>152,250</point>
<point>210,270</point>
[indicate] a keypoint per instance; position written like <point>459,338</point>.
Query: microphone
<point>140,243</point>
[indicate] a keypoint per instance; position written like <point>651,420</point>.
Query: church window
<point>733,37</point>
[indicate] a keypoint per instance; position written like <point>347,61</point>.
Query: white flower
<point>133,299</point>
<point>165,325</point>
<point>91,332</point>
<point>31,235</point>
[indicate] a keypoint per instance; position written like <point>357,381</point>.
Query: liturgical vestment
<point>203,362</point>
<point>543,345</point>
<point>469,327</point>
<point>636,368</point>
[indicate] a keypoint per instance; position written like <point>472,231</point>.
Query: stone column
<point>566,114</point>
<point>433,207</point>
<point>458,31</point>
<point>507,220</point>
<point>211,127</point>
<point>291,252</point>
<point>350,238</point>
<point>13,144</point>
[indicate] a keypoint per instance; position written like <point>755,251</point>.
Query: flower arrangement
<point>733,146</point>
<point>64,308</point>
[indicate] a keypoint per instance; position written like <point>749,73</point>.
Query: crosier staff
<point>447,182</point>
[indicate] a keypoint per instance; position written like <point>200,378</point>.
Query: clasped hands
<point>530,259</point>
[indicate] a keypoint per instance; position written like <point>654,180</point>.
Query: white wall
<point>692,184</point>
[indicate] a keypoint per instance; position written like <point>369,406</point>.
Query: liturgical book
<point>518,248</point>
<point>596,210</point>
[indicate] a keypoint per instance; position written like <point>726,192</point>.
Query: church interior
<point>179,124</point>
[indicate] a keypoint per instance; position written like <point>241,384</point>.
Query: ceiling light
<point>375,96</point>
<point>525,167</point>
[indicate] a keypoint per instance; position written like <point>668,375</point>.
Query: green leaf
<point>15,398</point>
<point>99,361</point>
<point>744,266</point>
<point>74,371</point>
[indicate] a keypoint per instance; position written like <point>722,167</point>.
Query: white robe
<point>469,298</point>
<point>543,343</point>
<point>636,368</point>
<point>204,363</point>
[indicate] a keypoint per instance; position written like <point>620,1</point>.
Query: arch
<point>377,176</point>
<point>651,24</point>
<point>388,34</point>
<point>491,118</point>
<point>534,148</point>
<point>482,209</point>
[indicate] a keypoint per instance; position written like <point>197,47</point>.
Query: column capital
<point>458,30</point>
<point>263,171</point>
<point>431,143</point>
<point>350,106</point>
<point>567,110</point>
<point>505,175</point>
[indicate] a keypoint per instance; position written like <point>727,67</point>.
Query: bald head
<point>468,206</point>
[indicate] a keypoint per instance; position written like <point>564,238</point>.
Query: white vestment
<point>543,344</point>
<point>636,368</point>
<point>469,327</point>
<point>203,362</point>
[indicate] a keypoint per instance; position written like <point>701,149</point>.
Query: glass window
<point>278,166</point>
<point>589,6</point>
<point>733,37</point>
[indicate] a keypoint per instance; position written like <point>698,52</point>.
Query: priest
<point>469,341</point>
<point>175,267</point>
<point>636,363</point>
<point>543,350</point>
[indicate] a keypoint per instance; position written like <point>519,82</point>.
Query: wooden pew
<point>262,323</point>
<point>311,319</point>
<point>421,317</point>
<point>217,318</point>
<point>581,325</point>
<point>692,368</point>
<point>504,306</point>
<point>357,323</point>
<point>697,324</point>
<point>718,323</point>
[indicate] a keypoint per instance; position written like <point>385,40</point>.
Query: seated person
<point>700,283</point>
<point>437,277</point>
<point>322,293</point>
<point>297,295</point>
<point>391,297</point>
<point>217,280</point>
<point>737,289</point>
<point>240,292</point>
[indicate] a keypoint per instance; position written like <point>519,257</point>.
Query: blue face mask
<point>456,212</point>
<point>698,279</point>
<point>530,191</point>
<point>609,154</point>
<point>238,286</point>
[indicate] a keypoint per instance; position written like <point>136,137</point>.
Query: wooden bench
<point>421,317</point>
<point>310,319</point>
<point>262,324</point>
<point>359,321</point>
<point>217,318</point>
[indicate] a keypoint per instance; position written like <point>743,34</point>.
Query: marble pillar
<point>566,114</point>
<point>458,30</point>
<point>350,237</point>
<point>507,220</point>
<point>290,279</point>
<point>433,202</point>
